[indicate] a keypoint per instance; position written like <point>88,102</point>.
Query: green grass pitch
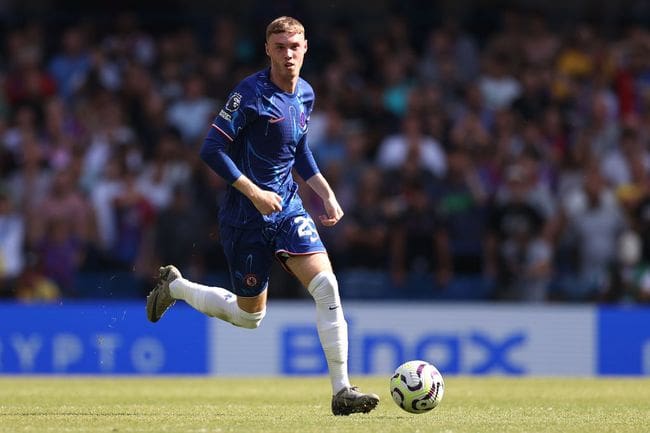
<point>198,404</point>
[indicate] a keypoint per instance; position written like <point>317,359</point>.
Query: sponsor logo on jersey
<point>225,115</point>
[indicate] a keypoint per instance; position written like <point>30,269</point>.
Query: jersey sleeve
<point>240,109</point>
<point>305,164</point>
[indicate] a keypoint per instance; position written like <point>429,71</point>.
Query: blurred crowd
<point>520,159</point>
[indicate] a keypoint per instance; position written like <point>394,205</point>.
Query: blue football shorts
<point>250,252</point>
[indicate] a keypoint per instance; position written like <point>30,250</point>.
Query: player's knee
<point>249,320</point>
<point>324,288</point>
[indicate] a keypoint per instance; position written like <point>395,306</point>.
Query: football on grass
<point>417,386</point>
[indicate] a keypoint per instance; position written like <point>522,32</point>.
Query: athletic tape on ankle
<point>249,320</point>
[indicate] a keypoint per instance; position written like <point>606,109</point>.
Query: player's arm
<point>306,167</point>
<point>332,208</point>
<point>213,153</point>
<point>239,109</point>
<point>267,202</point>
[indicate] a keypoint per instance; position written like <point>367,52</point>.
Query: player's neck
<point>287,84</point>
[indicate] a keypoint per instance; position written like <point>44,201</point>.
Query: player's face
<point>287,51</point>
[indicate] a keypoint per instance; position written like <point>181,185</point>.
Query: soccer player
<point>255,141</point>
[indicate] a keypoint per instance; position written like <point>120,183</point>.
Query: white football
<point>417,386</point>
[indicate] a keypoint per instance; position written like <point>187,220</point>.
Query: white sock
<point>215,302</point>
<point>332,327</point>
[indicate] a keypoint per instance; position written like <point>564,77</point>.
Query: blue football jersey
<point>265,131</point>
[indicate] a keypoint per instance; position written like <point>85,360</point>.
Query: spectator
<point>27,82</point>
<point>71,66</point>
<point>396,151</point>
<point>180,232</point>
<point>134,216</point>
<point>107,188</point>
<point>192,113</point>
<point>329,148</point>
<point>534,99</point>
<point>517,254</point>
<point>540,45</point>
<point>498,87</point>
<point>24,126</point>
<point>62,133</point>
<point>365,230</point>
<point>30,182</point>
<point>638,260</point>
<point>594,222</point>
<point>110,136</point>
<point>628,279</point>
<point>60,253</point>
<point>137,90</point>
<point>12,240</point>
<point>34,286</point>
<point>64,213</point>
<point>412,233</point>
<point>166,171</point>
<point>129,42</point>
<point>617,164</point>
<point>601,134</point>
<point>450,49</point>
<point>460,204</point>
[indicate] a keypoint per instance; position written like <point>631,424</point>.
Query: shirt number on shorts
<point>306,228</point>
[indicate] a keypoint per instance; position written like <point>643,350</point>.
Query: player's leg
<point>301,251</point>
<point>314,271</point>
<point>245,306</point>
<point>245,312</point>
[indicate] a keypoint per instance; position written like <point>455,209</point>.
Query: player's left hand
<point>334,212</point>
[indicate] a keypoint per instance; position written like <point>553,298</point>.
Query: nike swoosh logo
<point>276,120</point>
<point>334,307</point>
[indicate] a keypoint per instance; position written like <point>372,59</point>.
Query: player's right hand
<point>267,202</point>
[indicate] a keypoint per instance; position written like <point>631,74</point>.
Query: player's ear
<point>266,49</point>
<point>305,45</point>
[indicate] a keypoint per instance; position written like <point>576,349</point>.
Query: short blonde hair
<point>284,25</point>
